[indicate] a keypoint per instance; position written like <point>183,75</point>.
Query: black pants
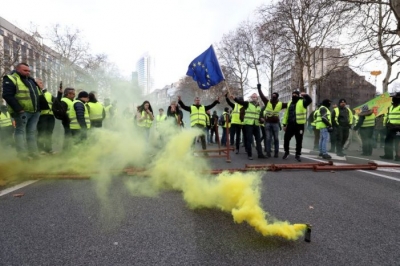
<point>96,123</point>
<point>297,131</point>
<point>202,137</point>
<point>235,132</point>
<point>333,137</point>
<point>316,138</point>
<point>392,137</point>
<point>252,130</point>
<point>342,134</point>
<point>366,138</point>
<point>45,127</point>
<point>67,135</point>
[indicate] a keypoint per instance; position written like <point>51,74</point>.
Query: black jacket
<point>9,91</point>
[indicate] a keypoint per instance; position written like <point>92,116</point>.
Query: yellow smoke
<point>170,164</point>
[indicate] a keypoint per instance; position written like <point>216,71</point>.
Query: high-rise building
<point>145,68</point>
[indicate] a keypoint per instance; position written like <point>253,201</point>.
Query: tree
<point>374,36</point>
<point>232,56</point>
<point>306,25</point>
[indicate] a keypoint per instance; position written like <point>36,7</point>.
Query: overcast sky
<point>173,31</point>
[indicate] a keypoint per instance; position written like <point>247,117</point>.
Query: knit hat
<point>326,103</point>
<point>342,101</point>
<point>296,92</point>
<point>277,94</point>
<point>364,108</point>
<point>83,94</point>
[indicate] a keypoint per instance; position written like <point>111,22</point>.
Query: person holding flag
<point>198,115</point>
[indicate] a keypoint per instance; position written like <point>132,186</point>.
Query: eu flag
<point>205,69</point>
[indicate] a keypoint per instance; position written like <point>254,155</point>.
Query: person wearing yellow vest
<point>21,94</point>
<point>392,121</point>
<point>46,123</point>
<point>342,120</point>
<point>109,109</point>
<point>311,122</point>
<point>175,113</point>
<point>324,125</point>
<point>198,116</point>
<point>225,115</point>
<point>214,137</point>
<point>66,99</point>
<point>251,124</point>
<point>79,118</point>
<point>294,121</point>
<point>96,110</point>
<point>366,125</point>
<point>144,118</point>
<point>160,119</point>
<point>6,128</point>
<point>236,123</point>
<point>272,121</point>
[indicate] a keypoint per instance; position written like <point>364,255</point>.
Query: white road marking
<point>14,188</point>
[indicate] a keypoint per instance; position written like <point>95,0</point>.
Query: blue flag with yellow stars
<point>205,69</point>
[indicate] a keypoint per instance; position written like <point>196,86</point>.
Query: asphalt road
<point>354,216</point>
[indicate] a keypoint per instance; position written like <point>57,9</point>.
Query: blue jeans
<point>25,133</point>
<point>272,130</point>
<point>323,140</point>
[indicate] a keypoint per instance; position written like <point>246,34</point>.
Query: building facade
<point>17,46</point>
<point>145,68</point>
<point>330,76</point>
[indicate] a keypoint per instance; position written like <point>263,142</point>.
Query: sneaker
<point>276,155</point>
<point>43,153</point>
<point>261,156</point>
<point>340,154</point>
<point>250,158</point>
<point>237,152</point>
<point>297,157</point>
<point>285,155</point>
<point>268,154</point>
<point>397,158</point>
<point>320,154</point>
<point>326,156</point>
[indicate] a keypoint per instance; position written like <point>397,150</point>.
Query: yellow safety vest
<point>393,116</point>
<point>160,120</point>
<point>95,111</point>
<point>369,121</point>
<point>5,120</point>
<point>318,121</point>
<point>49,100</point>
<point>236,114</point>
<point>22,94</point>
<point>269,111</point>
<point>300,113</point>
<point>229,124</point>
<point>69,103</point>
<point>337,115</point>
<point>147,122</point>
<point>198,115</point>
<point>251,116</point>
<point>74,121</point>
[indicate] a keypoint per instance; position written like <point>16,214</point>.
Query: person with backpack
<point>62,106</point>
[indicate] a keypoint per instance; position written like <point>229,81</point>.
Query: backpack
<point>221,120</point>
<point>59,110</point>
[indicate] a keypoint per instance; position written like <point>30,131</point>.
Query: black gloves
<point>259,86</point>
<point>330,129</point>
